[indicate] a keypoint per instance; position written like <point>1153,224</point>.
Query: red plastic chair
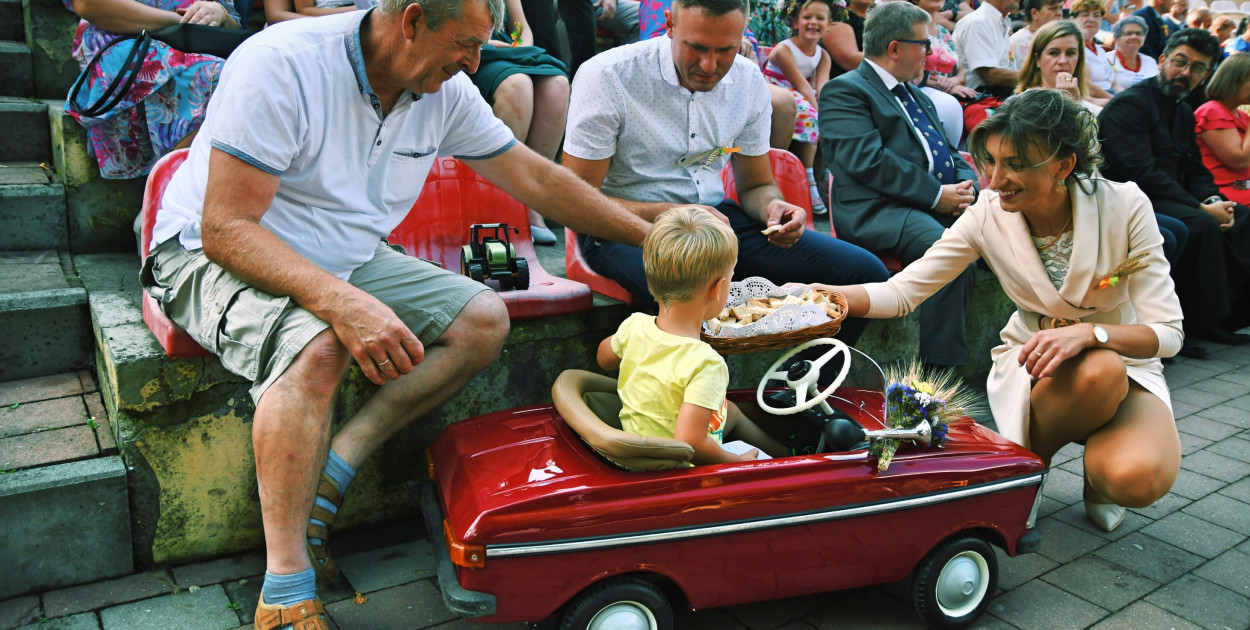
<point>455,197</point>
<point>176,342</point>
<point>791,178</point>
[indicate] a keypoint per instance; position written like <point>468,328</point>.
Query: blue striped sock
<point>342,474</point>
<point>286,590</point>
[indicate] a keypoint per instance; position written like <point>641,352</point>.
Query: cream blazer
<point>1112,223</point>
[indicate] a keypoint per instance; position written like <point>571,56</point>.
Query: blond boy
<point>671,383</point>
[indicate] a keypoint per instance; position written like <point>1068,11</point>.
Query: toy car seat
<point>176,342</point>
<point>455,197</point>
<point>589,404</point>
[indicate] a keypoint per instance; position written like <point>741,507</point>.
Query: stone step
<point>12,22</point>
<point>16,78</point>
<point>27,132</point>
<point>44,316</point>
<point>100,212</point>
<point>64,524</point>
<point>50,30</point>
<point>32,209</point>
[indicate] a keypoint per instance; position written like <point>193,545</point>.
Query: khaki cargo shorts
<point>257,335</point>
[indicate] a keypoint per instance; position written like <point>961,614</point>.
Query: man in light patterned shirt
<point>653,123</point>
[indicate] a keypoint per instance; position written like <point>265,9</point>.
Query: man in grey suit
<point>898,181</point>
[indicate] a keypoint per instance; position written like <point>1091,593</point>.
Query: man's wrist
<point>1212,199</point>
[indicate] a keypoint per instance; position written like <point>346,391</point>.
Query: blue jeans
<point>815,258</point>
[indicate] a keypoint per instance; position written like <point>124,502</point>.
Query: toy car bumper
<point>470,604</point>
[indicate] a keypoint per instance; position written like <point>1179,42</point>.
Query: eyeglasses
<point>1180,63</point>
<point>928,45</point>
<point>1132,34</point>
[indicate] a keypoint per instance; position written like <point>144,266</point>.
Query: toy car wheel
<point>522,274</point>
<point>622,603</point>
<point>475,272</point>
<point>954,583</point>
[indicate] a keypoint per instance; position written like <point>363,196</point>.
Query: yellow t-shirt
<point>660,372</point>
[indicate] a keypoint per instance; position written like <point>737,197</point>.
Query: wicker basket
<point>777,341</point>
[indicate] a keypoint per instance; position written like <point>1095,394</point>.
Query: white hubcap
<point>962,584</point>
<point>623,616</point>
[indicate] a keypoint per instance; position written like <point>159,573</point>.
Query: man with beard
<point>1148,138</point>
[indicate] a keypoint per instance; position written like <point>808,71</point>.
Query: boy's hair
<point>685,250</point>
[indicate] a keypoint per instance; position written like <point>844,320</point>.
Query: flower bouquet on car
<point>914,398</point>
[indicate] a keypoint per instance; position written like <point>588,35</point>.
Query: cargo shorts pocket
<point>240,320</point>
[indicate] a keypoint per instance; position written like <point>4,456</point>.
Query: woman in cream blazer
<point>1081,257</point>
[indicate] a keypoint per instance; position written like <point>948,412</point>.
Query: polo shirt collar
<point>355,52</point>
<point>669,71</point>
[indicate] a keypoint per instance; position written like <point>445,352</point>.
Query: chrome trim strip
<point>587,544</point>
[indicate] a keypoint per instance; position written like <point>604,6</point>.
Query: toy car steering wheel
<point>802,377</point>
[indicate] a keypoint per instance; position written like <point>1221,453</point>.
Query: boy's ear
<point>715,287</point>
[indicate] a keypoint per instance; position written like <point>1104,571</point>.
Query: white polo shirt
<point>983,40</point>
<point>294,101</point>
<point>628,105</point>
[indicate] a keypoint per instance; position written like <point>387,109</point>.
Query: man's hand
<point>716,213</point>
<point>608,8</point>
<point>380,342</point>
<point>1221,211</point>
<point>955,197</point>
<point>962,92</point>
<point>791,218</point>
<point>747,50</point>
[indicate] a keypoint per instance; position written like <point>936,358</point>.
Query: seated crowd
<point>1107,139</point>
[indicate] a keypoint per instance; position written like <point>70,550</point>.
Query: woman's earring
<point>1061,182</point>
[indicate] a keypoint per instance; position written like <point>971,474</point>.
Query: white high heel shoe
<point>1107,516</point>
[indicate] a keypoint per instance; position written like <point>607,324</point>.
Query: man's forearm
<point>258,257</point>
<point>998,77</point>
<point>755,201</point>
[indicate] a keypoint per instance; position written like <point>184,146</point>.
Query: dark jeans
<point>579,23</point>
<point>815,258</point>
<point>1210,270</point>
<point>1175,235</point>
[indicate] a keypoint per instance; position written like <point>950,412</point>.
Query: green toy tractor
<point>488,256</point>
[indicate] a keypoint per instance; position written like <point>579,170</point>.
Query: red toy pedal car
<point>548,513</point>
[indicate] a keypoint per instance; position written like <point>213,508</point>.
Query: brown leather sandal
<point>306,615</point>
<point>326,569</point>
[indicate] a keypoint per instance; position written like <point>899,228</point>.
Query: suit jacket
<point>1110,223</point>
<point>880,172</point>
<point>1158,33</point>
<point>1150,141</point>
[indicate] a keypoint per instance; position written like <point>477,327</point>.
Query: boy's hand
<point>749,456</point>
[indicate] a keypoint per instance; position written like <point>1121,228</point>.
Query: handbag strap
<point>121,83</point>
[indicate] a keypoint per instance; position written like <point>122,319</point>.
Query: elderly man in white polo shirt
<point>983,45</point>
<point>268,248</point>
<point>652,124</point>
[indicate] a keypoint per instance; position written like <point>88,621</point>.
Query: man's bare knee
<point>319,366</point>
<point>482,325</point>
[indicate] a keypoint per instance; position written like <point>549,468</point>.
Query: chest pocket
<point>406,170</point>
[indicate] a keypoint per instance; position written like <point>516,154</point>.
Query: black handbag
<point>189,38</point>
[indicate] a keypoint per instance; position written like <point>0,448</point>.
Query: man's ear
<point>668,22</point>
<point>413,20</point>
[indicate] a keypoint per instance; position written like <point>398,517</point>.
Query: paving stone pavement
<point>1182,563</point>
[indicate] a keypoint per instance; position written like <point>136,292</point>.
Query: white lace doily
<point>785,319</point>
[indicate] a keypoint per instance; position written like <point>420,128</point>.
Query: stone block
<point>20,610</point>
<point>32,217</point>
<point>1204,603</point>
<point>15,70</point>
<point>50,32</point>
<point>108,593</point>
<point>39,388</point>
<point>26,136</point>
<point>415,605</point>
<point>11,22</point>
<point>892,340</point>
<point>1040,606</point>
<point>205,608</point>
<point>47,332</point>
<point>18,419</point>
<point>387,567</point>
<point>65,524</point>
<point>100,212</point>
